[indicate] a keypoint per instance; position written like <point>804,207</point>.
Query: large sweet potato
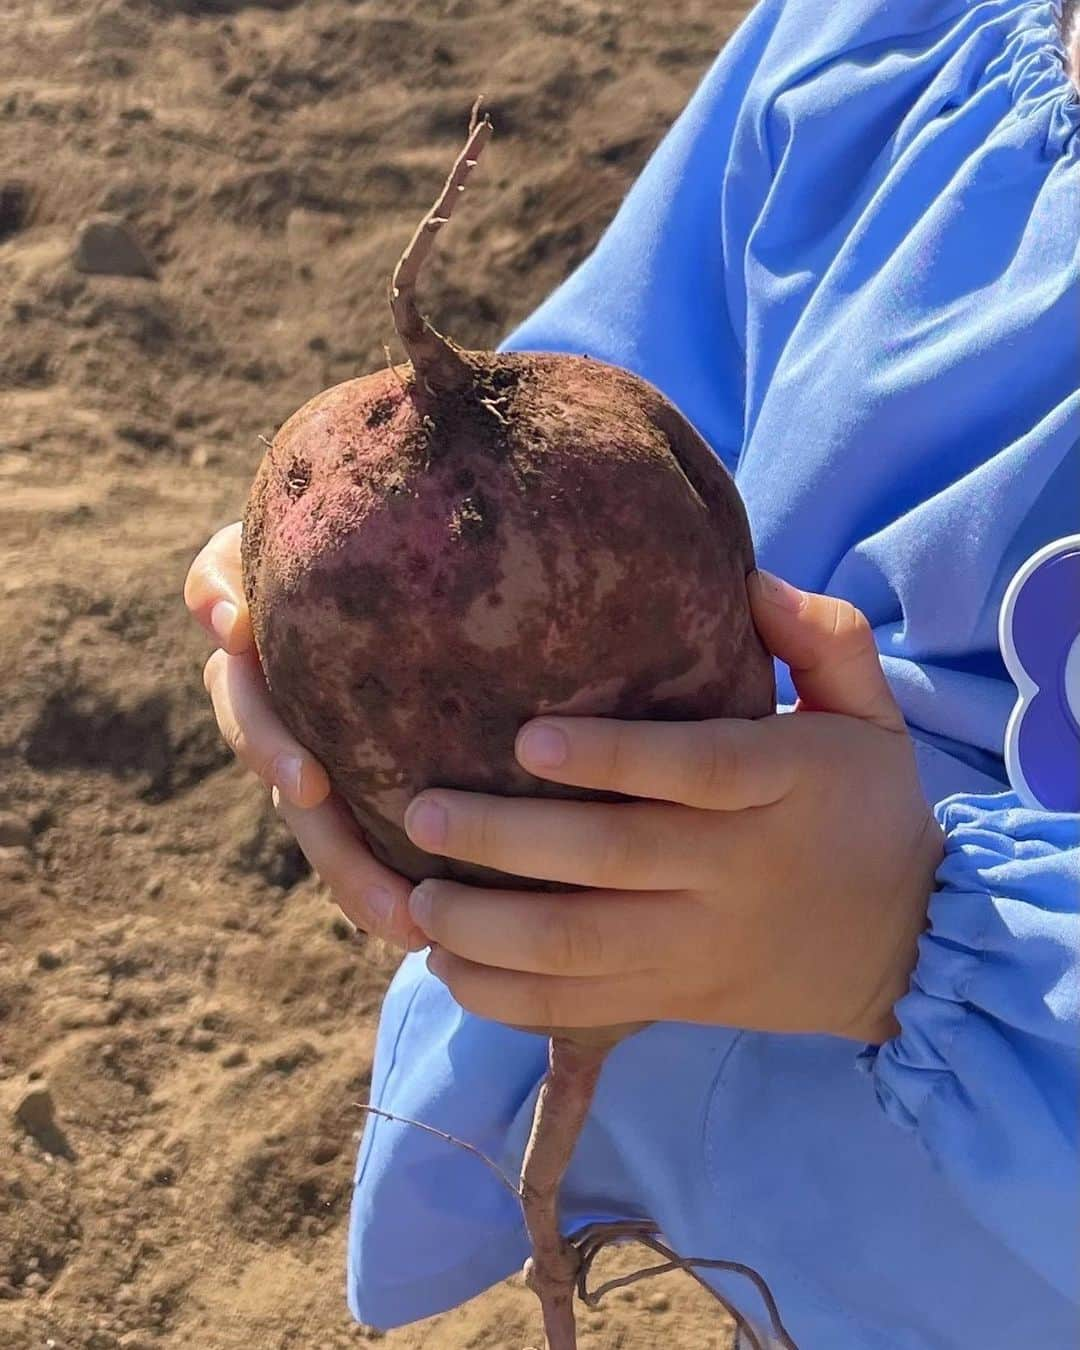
<point>440,551</point>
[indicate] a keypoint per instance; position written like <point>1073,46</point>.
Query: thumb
<point>214,591</point>
<point>828,645</point>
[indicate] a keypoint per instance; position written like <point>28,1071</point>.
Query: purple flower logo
<point>1039,632</point>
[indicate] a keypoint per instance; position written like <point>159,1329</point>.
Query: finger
<point>544,1001</point>
<point>369,894</point>
<point>829,647</point>
<point>727,765</point>
<point>252,730</point>
<point>631,846</point>
<point>588,933</point>
<point>214,591</point>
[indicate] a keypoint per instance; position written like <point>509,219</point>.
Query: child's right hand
<point>369,894</point>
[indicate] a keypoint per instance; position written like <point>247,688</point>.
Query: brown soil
<point>168,969</point>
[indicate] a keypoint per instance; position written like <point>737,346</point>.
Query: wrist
<point>877,1023</point>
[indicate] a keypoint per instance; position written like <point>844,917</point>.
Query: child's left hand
<point>775,878</point>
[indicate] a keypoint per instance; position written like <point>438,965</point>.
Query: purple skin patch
<point>1040,641</point>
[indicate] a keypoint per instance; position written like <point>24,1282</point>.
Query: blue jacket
<point>853,264</point>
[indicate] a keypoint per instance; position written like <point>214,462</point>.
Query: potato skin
<point>556,538</point>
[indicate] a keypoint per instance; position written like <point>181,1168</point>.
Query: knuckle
<point>715,773</point>
<point>343,865</point>
<point>262,765</point>
<point>347,898</point>
<point>852,627</point>
<point>349,905</point>
<point>236,738</point>
<point>565,942</point>
<point>589,946</point>
<point>233,736</point>
<point>615,769</point>
<point>480,837</point>
<point>537,1005</point>
<point>468,990</point>
<point>612,850</point>
<point>341,886</point>
<point>849,637</point>
<point>623,849</point>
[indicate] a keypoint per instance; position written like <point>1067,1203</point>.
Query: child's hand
<point>372,896</point>
<point>776,878</point>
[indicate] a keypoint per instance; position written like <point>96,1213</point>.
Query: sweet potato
<point>439,551</point>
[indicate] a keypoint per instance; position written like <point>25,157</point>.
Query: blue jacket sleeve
<point>663,294</point>
<point>986,1069</point>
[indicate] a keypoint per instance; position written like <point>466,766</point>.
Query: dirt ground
<point>185,1027</point>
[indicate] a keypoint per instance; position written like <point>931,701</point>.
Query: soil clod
<point>107,246</point>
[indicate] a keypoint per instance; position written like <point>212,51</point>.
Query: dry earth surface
<point>185,1027</point>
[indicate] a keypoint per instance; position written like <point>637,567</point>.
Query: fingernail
<point>781,593</point>
<point>543,746</point>
<point>420,903</point>
<point>427,823</point>
<point>379,902</point>
<point>222,620</point>
<point>289,775</point>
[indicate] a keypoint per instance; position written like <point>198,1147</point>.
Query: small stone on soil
<point>15,832</point>
<point>107,246</point>
<point>35,1109</point>
<point>14,208</point>
<point>35,1112</point>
